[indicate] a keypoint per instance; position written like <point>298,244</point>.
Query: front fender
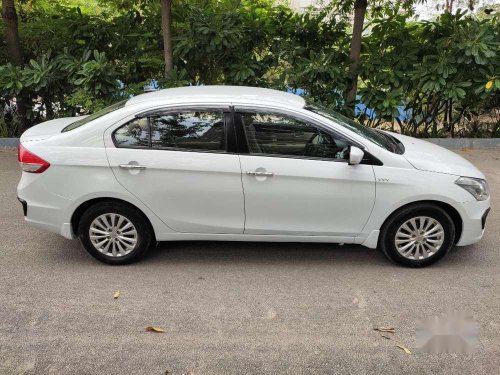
<point>397,187</point>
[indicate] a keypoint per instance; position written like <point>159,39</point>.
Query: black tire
<point>142,227</point>
<point>388,233</point>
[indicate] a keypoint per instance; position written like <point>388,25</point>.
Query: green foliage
<point>82,55</point>
<point>438,69</point>
<point>96,76</point>
<point>8,128</point>
<point>4,130</point>
<point>11,79</point>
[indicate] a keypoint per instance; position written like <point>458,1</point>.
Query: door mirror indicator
<point>355,155</point>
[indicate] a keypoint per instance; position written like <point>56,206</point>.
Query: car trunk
<point>47,129</point>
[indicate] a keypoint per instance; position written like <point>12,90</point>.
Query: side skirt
<point>253,238</point>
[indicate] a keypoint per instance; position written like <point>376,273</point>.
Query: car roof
<point>238,94</point>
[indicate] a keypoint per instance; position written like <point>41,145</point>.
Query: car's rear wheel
<point>417,235</point>
<point>114,233</point>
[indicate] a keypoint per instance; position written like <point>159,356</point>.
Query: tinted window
<point>383,140</point>
<point>133,134</point>
<point>282,135</point>
<point>189,130</point>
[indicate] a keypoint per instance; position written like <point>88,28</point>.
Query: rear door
<point>297,180</point>
<point>177,162</point>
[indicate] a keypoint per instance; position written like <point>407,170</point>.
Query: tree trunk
<point>49,111</point>
<point>449,6</point>
<point>166,22</point>
<point>11,33</point>
<point>15,55</point>
<point>357,30</point>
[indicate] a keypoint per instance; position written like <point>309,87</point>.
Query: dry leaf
<point>154,329</point>
<point>384,329</point>
<point>385,336</point>
<point>406,350</point>
<point>116,294</point>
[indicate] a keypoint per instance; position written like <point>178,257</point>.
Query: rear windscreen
<point>93,116</point>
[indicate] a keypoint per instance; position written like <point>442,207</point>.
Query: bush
<point>444,74</point>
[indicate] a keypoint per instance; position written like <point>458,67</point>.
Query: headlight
<point>477,187</point>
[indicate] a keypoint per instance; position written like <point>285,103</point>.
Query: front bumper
<point>474,217</point>
<point>484,217</point>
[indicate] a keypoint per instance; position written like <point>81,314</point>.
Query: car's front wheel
<point>417,235</point>
<point>114,233</point>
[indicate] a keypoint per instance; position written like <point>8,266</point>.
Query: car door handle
<point>131,166</point>
<point>265,174</point>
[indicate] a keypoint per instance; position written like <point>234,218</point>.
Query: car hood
<point>427,156</point>
<point>47,129</point>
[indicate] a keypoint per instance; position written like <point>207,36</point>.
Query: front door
<point>177,164</point>
<point>297,180</point>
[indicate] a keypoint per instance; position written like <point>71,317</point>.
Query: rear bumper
<point>25,206</point>
<point>47,219</point>
<point>474,217</point>
<point>47,213</point>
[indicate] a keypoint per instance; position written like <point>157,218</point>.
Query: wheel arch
<point>84,206</point>
<point>448,208</point>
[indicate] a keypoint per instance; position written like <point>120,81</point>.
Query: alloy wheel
<point>113,235</point>
<point>419,238</point>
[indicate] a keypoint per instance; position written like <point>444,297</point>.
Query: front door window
<point>280,135</point>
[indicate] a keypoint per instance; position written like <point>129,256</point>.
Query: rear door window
<point>177,130</point>
<point>134,134</point>
<point>191,130</point>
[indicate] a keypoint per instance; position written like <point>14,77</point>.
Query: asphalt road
<point>231,308</point>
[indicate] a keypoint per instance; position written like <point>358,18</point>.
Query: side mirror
<point>355,155</point>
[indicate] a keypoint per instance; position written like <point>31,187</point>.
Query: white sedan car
<point>244,164</point>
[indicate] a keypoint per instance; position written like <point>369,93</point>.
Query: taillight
<point>29,161</point>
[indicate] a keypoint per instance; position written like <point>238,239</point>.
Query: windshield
<point>93,116</point>
<point>383,140</point>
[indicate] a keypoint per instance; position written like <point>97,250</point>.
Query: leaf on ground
<point>154,329</point>
<point>116,294</point>
<point>385,336</point>
<point>384,329</point>
<point>406,350</point>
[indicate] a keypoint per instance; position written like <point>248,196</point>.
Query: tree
<point>355,52</point>
<point>15,54</point>
<point>360,7</point>
<point>11,32</point>
<point>442,74</point>
<point>452,5</point>
<point>166,22</point>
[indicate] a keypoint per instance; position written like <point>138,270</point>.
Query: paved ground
<point>231,308</point>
